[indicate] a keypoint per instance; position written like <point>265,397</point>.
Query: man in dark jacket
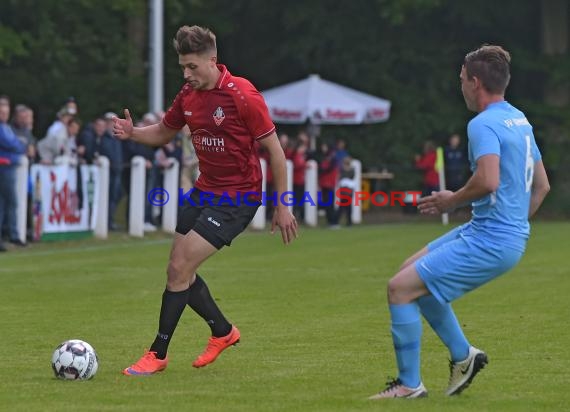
<point>99,142</point>
<point>11,149</point>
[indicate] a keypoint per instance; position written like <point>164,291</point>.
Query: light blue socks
<point>443,321</point>
<point>407,334</point>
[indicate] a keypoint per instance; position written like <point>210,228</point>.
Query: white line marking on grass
<point>59,249</point>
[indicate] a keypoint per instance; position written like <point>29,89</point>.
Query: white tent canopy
<point>322,102</point>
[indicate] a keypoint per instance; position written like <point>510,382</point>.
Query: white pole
<point>156,89</point>
<point>137,196</point>
<point>258,221</point>
<point>102,198</point>
<point>311,187</point>
<point>357,209</point>
<point>22,197</point>
<point>170,208</point>
<point>289,165</point>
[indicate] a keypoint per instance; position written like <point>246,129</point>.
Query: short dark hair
<point>491,65</point>
<point>74,120</point>
<point>195,39</point>
<point>20,108</point>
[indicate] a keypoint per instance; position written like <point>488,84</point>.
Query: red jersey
<point>225,123</point>
<point>427,164</point>
<point>299,168</point>
<point>328,172</point>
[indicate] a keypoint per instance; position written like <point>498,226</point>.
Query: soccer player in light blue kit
<point>508,185</point>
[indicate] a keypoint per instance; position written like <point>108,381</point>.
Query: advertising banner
<point>64,200</point>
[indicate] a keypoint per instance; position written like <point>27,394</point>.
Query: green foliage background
<point>409,52</point>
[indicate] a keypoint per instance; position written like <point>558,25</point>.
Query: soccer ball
<point>74,360</point>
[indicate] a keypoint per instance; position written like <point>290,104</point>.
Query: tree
<point>70,48</point>
<point>408,51</point>
<point>555,17</point>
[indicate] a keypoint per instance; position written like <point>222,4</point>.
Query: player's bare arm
<point>153,135</point>
<point>282,217</point>
<point>485,180</point>
<point>540,188</point>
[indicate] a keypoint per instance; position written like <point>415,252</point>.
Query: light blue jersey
<point>494,240</point>
<point>503,130</point>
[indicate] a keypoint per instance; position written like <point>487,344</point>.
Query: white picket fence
<point>139,192</point>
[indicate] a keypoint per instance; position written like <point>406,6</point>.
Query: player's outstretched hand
<point>123,128</point>
<point>286,223</point>
<point>436,203</point>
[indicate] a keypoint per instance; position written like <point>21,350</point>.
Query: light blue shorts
<point>458,262</point>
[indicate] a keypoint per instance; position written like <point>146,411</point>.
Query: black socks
<point>173,303</point>
<point>200,300</point>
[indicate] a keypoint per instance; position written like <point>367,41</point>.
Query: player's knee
<point>173,269</point>
<point>178,275</point>
<point>397,292</point>
<point>393,289</point>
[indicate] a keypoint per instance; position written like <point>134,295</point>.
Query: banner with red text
<point>64,200</point>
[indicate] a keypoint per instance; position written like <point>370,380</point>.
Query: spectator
<point>69,154</point>
<point>299,160</point>
<point>71,106</point>
<point>99,142</point>
<point>346,185</point>
<point>165,155</point>
<point>11,148</point>
<point>133,149</point>
<point>22,128</point>
<point>426,163</point>
<point>455,164</point>
<point>59,126</point>
<point>55,141</point>
<point>310,152</point>
<point>340,152</point>
<point>22,125</point>
<point>71,157</point>
<point>90,140</point>
<point>112,148</point>
<point>328,177</point>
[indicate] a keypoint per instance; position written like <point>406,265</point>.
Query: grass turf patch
<point>313,317</point>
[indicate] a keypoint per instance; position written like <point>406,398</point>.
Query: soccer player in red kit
<point>226,116</point>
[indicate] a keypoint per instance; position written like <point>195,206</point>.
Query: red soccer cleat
<point>216,346</point>
<point>147,365</point>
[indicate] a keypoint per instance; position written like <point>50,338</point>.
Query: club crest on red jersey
<point>219,116</point>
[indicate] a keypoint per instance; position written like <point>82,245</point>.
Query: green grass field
<point>313,317</point>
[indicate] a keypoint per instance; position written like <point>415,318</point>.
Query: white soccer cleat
<point>395,389</point>
<point>462,373</point>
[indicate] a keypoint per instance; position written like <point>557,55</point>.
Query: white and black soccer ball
<point>74,360</point>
